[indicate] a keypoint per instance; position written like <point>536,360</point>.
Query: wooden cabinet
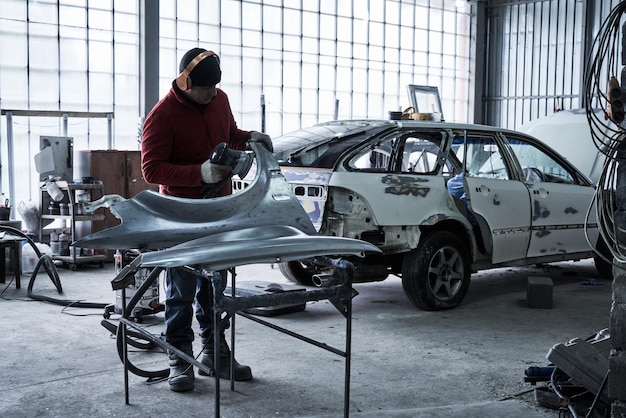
<point>120,172</point>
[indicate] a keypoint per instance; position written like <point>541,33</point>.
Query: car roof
<point>354,124</point>
<point>418,124</point>
<point>342,129</point>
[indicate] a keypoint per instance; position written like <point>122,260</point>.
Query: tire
<point>297,272</point>
<point>436,274</point>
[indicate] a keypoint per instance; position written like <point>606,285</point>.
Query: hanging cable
<point>608,132</point>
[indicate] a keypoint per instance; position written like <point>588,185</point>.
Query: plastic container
<point>55,248</point>
<point>53,190</point>
<point>55,245</point>
<point>30,258</point>
<point>394,115</point>
<point>53,208</point>
<point>64,244</point>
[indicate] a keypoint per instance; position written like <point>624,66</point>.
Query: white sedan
<point>439,199</point>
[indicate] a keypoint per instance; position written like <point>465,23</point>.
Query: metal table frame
<point>338,291</point>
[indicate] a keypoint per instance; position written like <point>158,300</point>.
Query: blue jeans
<point>182,287</point>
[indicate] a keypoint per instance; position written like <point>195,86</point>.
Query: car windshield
<point>320,146</point>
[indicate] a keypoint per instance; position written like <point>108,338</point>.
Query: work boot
<point>241,372</point>
<point>181,373</point>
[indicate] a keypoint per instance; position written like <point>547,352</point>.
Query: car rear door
<point>560,199</point>
<point>500,201</point>
<point>399,177</point>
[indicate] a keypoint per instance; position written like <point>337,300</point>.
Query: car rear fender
<point>393,199</point>
<point>458,228</point>
<point>348,214</point>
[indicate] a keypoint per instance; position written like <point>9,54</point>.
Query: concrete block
<point>618,409</point>
<point>539,292</point>
<point>617,371</point>
<point>617,326</point>
<point>619,269</point>
<point>619,291</point>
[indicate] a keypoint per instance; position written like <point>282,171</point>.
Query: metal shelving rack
<point>69,190</point>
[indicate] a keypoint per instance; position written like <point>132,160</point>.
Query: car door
<point>500,202</point>
<point>399,177</point>
<point>560,199</point>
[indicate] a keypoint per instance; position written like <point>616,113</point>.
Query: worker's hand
<point>263,139</point>
<point>212,173</point>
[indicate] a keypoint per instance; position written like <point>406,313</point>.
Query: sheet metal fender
<point>151,220</point>
<point>264,244</point>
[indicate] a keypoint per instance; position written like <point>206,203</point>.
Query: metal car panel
<point>558,218</point>
<point>397,199</point>
<point>266,244</point>
<point>505,205</point>
<point>151,220</point>
<point>310,185</point>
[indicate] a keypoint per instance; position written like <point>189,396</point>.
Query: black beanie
<point>206,73</point>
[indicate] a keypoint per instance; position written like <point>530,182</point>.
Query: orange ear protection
<point>183,81</point>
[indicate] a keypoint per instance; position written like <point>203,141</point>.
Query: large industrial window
<point>289,63</point>
<point>60,55</point>
<point>318,60</point>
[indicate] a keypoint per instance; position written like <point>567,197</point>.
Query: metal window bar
<point>550,40</point>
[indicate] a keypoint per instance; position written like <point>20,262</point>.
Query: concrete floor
<point>468,362</point>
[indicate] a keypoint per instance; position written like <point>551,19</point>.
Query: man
<point>179,135</point>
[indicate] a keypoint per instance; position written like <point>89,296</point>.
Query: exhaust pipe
<point>322,280</point>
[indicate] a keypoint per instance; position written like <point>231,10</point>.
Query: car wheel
<point>297,272</point>
<point>436,274</point>
<point>603,267</point>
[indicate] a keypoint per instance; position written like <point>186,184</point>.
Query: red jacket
<point>179,136</point>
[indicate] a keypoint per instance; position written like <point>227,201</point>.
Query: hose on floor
<point>48,265</point>
<point>133,339</point>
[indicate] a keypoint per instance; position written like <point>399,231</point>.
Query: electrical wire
<point>556,385</point>
<point>608,137</point>
<point>596,399</point>
<point>603,62</point>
